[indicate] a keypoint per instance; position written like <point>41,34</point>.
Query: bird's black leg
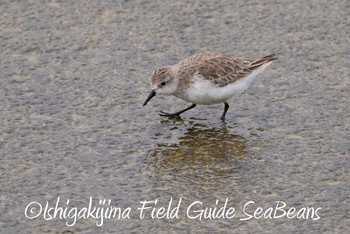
<point>225,110</point>
<point>177,114</point>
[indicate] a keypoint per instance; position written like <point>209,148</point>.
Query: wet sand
<point>74,76</point>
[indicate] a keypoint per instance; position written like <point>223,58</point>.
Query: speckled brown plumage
<point>221,69</point>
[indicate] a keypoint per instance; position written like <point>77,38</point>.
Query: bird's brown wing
<point>222,69</point>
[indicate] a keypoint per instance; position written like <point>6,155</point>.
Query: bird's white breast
<point>204,92</point>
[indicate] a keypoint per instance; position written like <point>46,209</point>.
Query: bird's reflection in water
<point>202,152</point>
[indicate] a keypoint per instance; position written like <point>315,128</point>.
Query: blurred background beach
<point>74,75</point>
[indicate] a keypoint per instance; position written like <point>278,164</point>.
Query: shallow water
<point>74,76</point>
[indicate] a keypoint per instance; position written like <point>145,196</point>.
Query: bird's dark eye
<point>163,83</point>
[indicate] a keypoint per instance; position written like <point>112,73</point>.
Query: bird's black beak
<point>150,96</point>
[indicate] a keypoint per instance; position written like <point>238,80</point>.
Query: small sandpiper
<point>206,78</point>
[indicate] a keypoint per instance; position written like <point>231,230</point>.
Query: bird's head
<point>162,82</point>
